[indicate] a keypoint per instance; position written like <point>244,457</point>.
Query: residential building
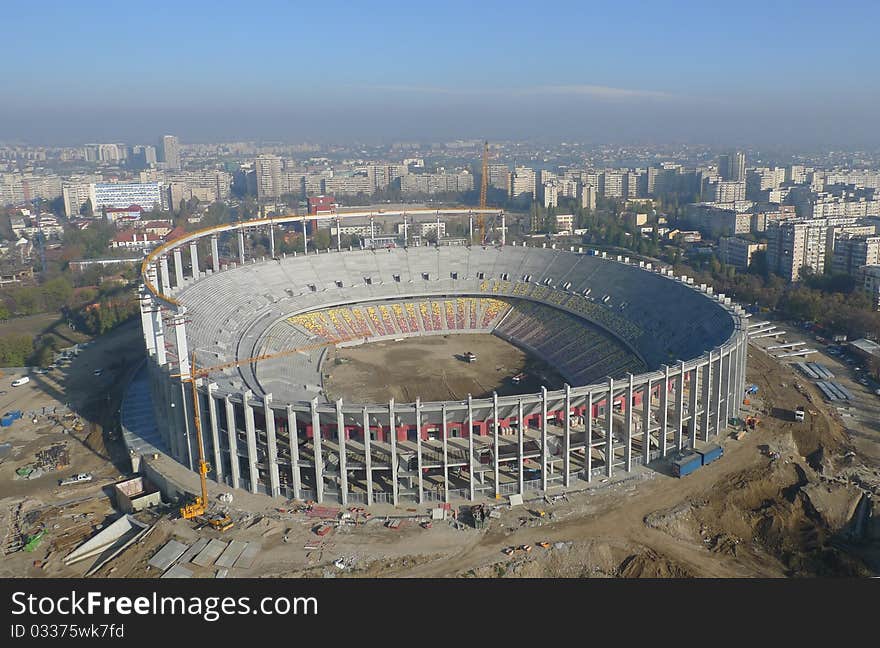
<point>268,170</point>
<point>169,151</point>
<point>799,243</point>
<point>522,183</point>
<point>126,194</point>
<point>869,282</point>
<point>738,252</point>
<point>851,252</point>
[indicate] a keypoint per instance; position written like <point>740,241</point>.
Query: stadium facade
<point>667,355</point>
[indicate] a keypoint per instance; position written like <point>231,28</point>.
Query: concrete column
<point>215,253</point>
<point>544,453</point>
<point>368,459</point>
<point>293,440</point>
<point>241,246</point>
<point>165,275</point>
<point>178,267</point>
<point>272,240</point>
<point>646,429</point>
<point>393,424</point>
<point>179,324</point>
<point>609,430</point>
<point>215,432</point>
<point>588,429</point>
<point>470,415</point>
<point>419,447</point>
<point>730,367</point>
<point>146,306</point>
<point>495,443</point>
<point>194,258</point>
<point>251,436</point>
<point>186,411</point>
<point>664,411</point>
<point>519,442</point>
<point>371,230</point>
<point>445,454</point>
<point>470,228</point>
<point>679,409</point>
<point>343,470</point>
<point>232,438</point>
<point>319,457</point>
<point>503,229</point>
<point>566,459</point>
<point>719,371</point>
<point>305,237</point>
<point>707,396</point>
<point>628,424</point>
<point>338,236</point>
<point>271,447</point>
<point>692,404</point>
<point>159,330</point>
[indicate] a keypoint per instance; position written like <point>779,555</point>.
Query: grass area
<point>43,324</point>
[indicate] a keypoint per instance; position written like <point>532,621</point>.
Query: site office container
<point>686,464</point>
<point>710,453</point>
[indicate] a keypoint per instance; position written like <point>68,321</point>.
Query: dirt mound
<point>650,564</point>
<point>678,521</point>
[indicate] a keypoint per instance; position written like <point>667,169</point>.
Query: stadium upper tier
<point>608,317</point>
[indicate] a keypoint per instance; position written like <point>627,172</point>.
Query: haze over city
<point>782,73</point>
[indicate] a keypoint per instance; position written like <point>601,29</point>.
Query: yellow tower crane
<point>198,509</point>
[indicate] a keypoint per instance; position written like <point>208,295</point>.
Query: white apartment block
<point>126,194</point>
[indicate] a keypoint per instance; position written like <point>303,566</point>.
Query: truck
<point>686,464</point>
<point>470,357</point>
<point>78,478</point>
<point>709,453</point>
<point>799,414</point>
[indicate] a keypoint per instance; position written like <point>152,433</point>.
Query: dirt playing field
<point>433,368</point>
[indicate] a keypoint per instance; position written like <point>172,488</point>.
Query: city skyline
<point>785,74</point>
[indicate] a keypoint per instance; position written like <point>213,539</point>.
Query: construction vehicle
<point>752,421</point>
<point>799,414</point>
<point>543,545</point>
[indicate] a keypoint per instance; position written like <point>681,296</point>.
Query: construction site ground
<point>788,499</point>
<point>433,368</point>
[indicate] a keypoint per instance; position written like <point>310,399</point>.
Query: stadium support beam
<point>271,447</point>
<point>241,246</point>
<point>470,415</point>
<point>728,385</point>
<point>664,411</point>
<point>338,235</point>
<point>566,459</point>
<point>165,275</point>
<point>707,397</point>
<point>503,229</point>
<point>232,438</point>
<point>318,455</point>
<point>393,423</point>
<point>215,432</point>
<point>628,424</point>
<point>679,408</point>
<point>544,452</point>
<point>588,436</point>
<point>519,441</point>
<point>147,307</point>
<point>250,431</point>
<point>215,253</point>
<point>159,329</point>
<point>646,423</point>
<point>368,458</point>
<point>495,442</point>
<point>445,454</point>
<point>419,449</point>
<point>719,374</point>
<point>293,439</point>
<point>194,258</point>
<point>609,430</point>
<point>693,401</point>
<point>272,240</point>
<point>340,439</point>
<point>178,267</point>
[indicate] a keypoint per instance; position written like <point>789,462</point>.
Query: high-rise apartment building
<point>852,251</point>
<point>522,182</point>
<point>732,166</point>
<point>169,151</point>
<point>805,243</point>
<point>268,170</point>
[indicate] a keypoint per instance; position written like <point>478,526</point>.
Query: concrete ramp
<point>210,553</point>
<point>233,551</point>
<point>168,555</point>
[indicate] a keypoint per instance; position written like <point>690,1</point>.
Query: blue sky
<point>801,72</point>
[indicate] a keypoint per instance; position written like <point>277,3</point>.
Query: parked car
<point>75,479</point>
<point>98,372</point>
<point>20,381</point>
